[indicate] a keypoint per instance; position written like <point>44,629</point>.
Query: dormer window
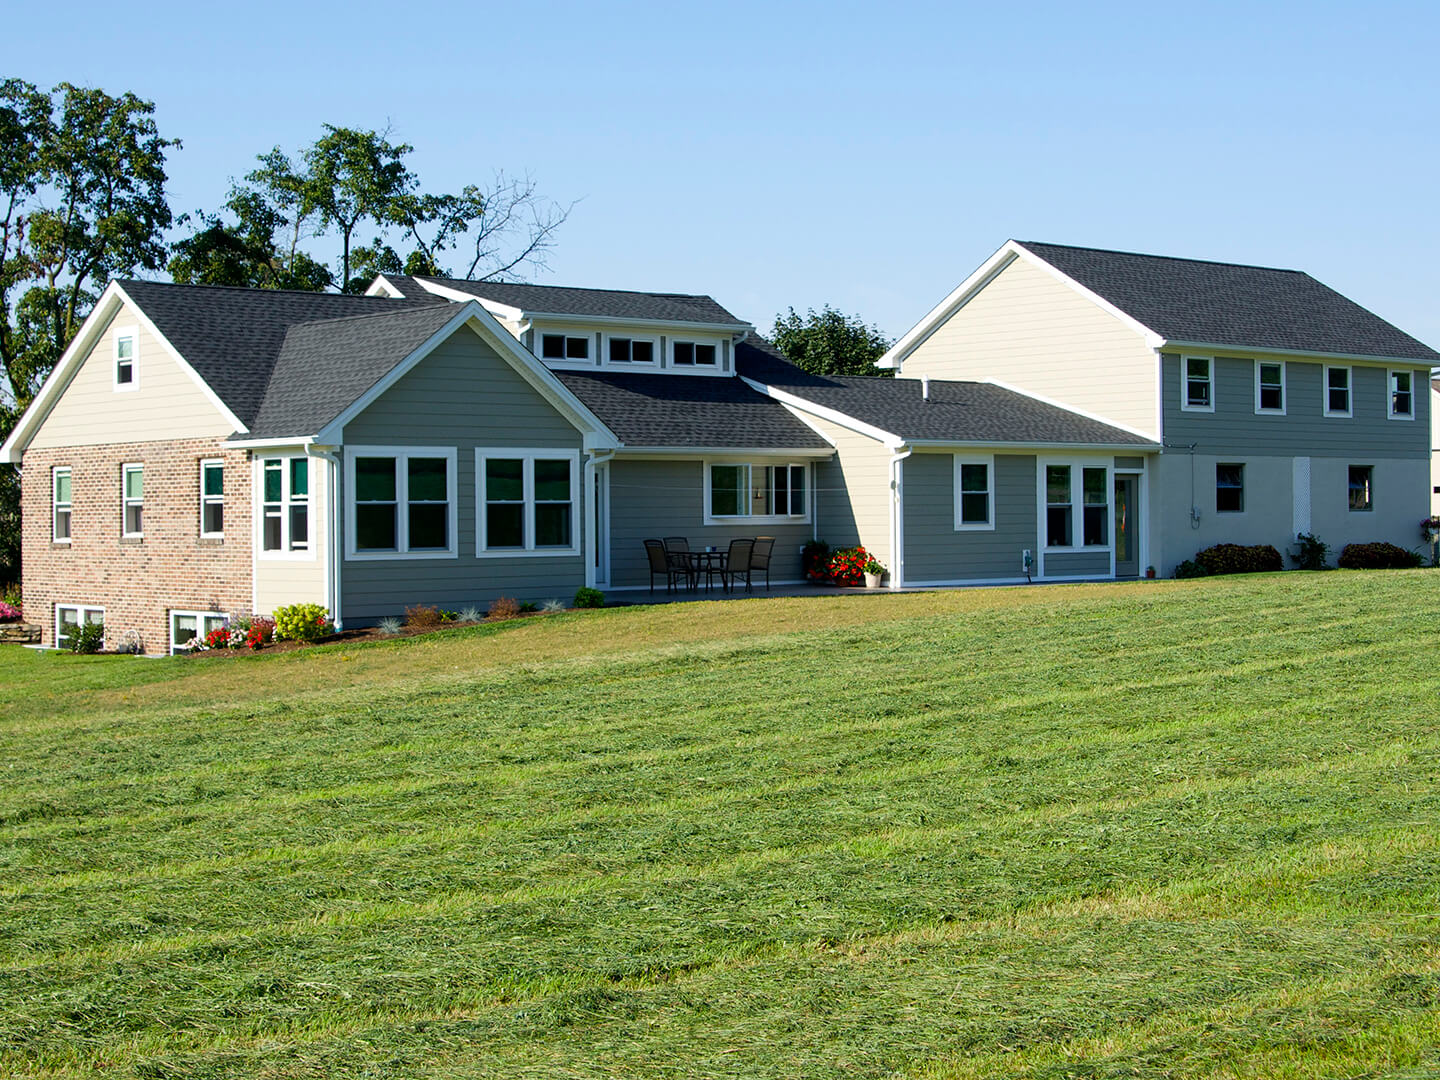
<point>631,351</point>
<point>693,354</point>
<point>563,347</point>
<point>127,370</point>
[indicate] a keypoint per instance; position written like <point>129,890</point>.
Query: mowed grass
<point>1173,829</point>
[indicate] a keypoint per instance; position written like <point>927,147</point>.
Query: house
<point>1435,447</point>
<point>201,451</point>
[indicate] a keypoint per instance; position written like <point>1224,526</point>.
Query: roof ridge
<point>417,309</point>
<point>250,289</point>
<point>1168,258</point>
<point>573,288</point>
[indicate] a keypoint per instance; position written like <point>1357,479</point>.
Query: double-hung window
<point>60,505</point>
<point>757,492</point>
<point>974,492</point>
<point>212,499</point>
<point>285,506</point>
<point>1062,494</point>
<point>631,351</point>
<point>693,354</point>
<point>402,502</point>
<point>1402,395</point>
<point>70,617</point>
<point>1230,488</point>
<point>1337,391</point>
<point>526,501</point>
<point>1270,387</point>
<point>564,347</point>
<point>1096,484</point>
<point>1361,478</point>
<point>1059,507</point>
<point>126,358</point>
<point>132,500</point>
<point>1196,393</point>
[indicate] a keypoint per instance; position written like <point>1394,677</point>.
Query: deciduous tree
<point>829,342</point>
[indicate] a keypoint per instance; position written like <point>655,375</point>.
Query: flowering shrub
<point>847,565</point>
<point>301,622</point>
<point>8,612</point>
<point>1378,556</point>
<point>219,638</point>
<point>815,561</point>
<point>261,632</point>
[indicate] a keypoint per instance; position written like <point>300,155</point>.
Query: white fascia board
<point>500,311</point>
<point>1211,348</point>
<point>474,316</point>
<point>631,453</point>
<point>1148,435</point>
<point>1022,447</point>
<point>663,324</point>
<point>382,286</point>
<point>273,443</point>
<point>835,416</point>
<point>937,315</point>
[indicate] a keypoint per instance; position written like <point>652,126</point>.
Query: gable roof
<point>614,304</point>
<point>957,412</point>
<point>1246,307</point>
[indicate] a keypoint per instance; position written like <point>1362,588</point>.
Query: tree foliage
<point>829,342</point>
<point>348,181</point>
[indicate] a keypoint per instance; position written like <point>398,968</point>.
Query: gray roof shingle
<point>689,410</point>
<point>1245,307</point>
<point>958,412</point>
<point>604,303</point>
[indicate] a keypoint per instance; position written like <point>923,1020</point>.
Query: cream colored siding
<point>283,581</point>
<point>1029,330</point>
<point>167,405</point>
<point>853,492</point>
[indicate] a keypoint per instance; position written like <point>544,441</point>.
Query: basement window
<point>1230,489</point>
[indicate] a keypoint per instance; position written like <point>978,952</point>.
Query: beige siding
<point>853,492</point>
<point>283,581</point>
<point>1027,329</point>
<point>168,404</point>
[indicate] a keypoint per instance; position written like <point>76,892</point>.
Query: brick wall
<point>137,581</point>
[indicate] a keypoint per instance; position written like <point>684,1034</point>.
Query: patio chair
<point>676,543</point>
<point>737,563</point>
<point>663,562</point>
<point>760,557</point>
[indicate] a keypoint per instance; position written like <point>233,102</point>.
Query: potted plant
<point>1150,573</point>
<point>874,571</point>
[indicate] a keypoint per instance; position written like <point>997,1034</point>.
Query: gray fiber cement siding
<point>936,551</point>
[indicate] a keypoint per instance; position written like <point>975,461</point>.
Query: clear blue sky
<point>868,156</point>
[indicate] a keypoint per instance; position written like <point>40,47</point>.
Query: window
<point>1096,484</point>
<point>974,496</point>
<point>212,498</point>
<point>631,351</point>
<point>692,354</point>
<point>1059,510</point>
<point>1337,391</point>
<point>561,347</point>
<point>60,505</point>
<point>1402,395</point>
<point>285,505</point>
<point>526,502</point>
<point>1270,388</point>
<point>1361,478</point>
<point>127,359</point>
<point>70,617</point>
<point>1229,489</point>
<point>1196,392</point>
<point>402,502</point>
<point>756,492</point>
<point>132,500</point>
<point>187,626</point>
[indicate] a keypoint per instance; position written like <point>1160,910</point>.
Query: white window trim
<point>257,487</point>
<point>402,454</point>
<point>82,610</point>
<point>528,456</point>
<point>1349,390</point>
<point>1284,389</point>
<point>1390,412</point>
<point>55,503</point>
<point>696,366</point>
<point>757,519</point>
<point>121,332</point>
<point>1244,503</point>
<point>200,631</point>
<point>565,335</point>
<point>206,500</point>
<point>652,364</point>
<point>125,502</point>
<point>988,460</point>
<point>1185,386</point>
<point>1077,502</point>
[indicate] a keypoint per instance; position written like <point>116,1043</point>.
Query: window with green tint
<point>376,520</point>
<point>1096,525</point>
<point>132,491</point>
<point>274,481</point>
<point>504,502</point>
<point>553,508</point>
<point>375,479</point>
<point>974,493</point>
<point>427,495</point>
<point>60,526</point>
<point>212,498</point>
<point>299,476</point>
<point>426,477</point>
<point>1059,506</point>
<point>134,483</point>
<point>729,492</point>
<point>285,509</point>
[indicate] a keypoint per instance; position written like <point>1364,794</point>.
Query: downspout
<point>897,516</point>
<point>592,515</point>
<point>332,571</point>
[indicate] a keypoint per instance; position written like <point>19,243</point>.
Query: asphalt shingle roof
<point>960,412</point>
<point>605,303</point>
<point>232,336</point>
<point>1247,307</point>
<point>324,366</point>
<point>689,410</point>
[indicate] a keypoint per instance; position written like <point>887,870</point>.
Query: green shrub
<point>1239,559</point>
<point>89,638</point>
<point>1191,569</point>
<point>528,606</point>
<point>301,622</point>
<point>449,616</point>
<point>1378,556</point>
<point>1310,552</point>
<point>587,598</point>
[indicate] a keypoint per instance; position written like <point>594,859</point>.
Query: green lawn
<point>1170,829</point>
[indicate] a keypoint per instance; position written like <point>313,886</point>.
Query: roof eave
<point>1218,346</point>
<point>629,450</point>
<point>1030,444</point>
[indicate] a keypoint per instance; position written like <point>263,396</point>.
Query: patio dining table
<point>709,562</point>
